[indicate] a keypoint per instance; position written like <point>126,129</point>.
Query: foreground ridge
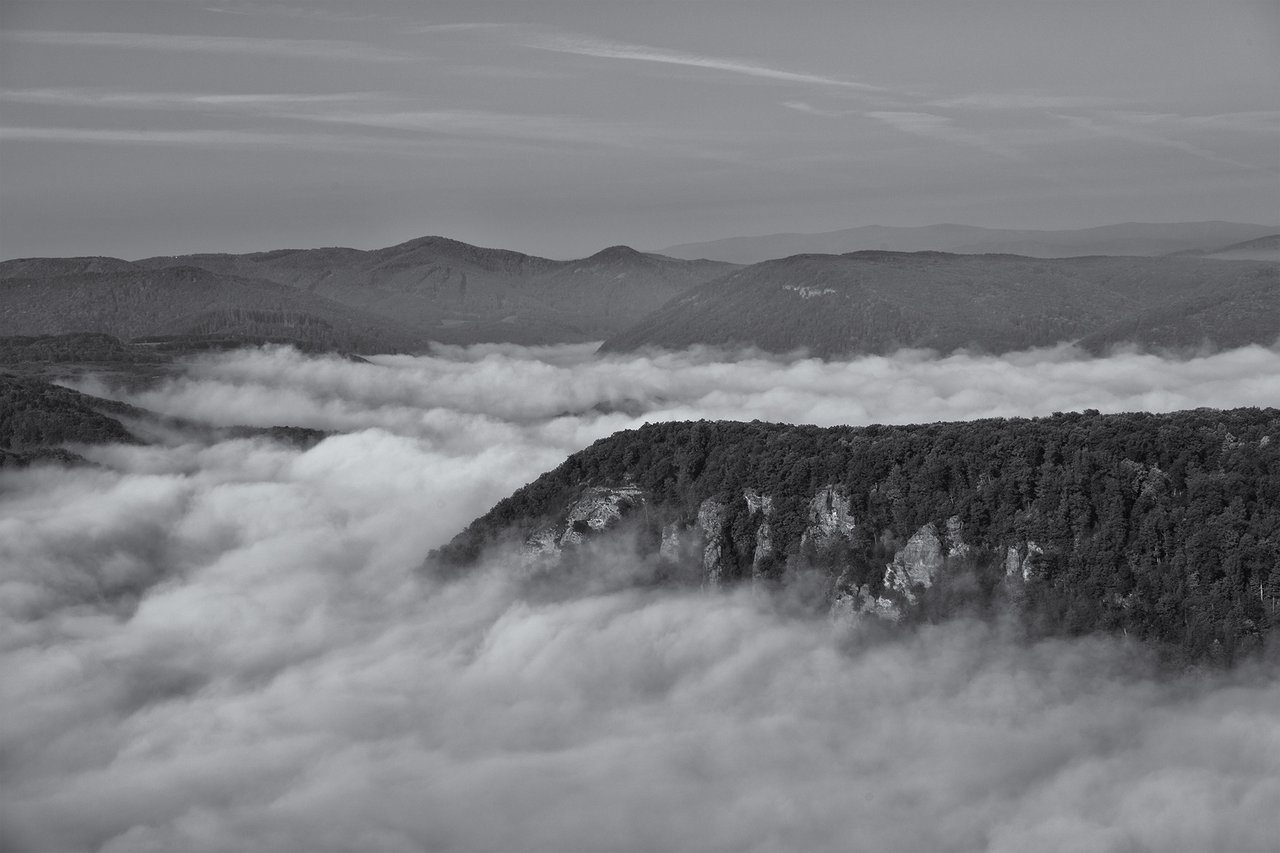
<point>1164,527</point>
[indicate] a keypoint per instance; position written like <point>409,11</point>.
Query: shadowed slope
<point>877,302</point>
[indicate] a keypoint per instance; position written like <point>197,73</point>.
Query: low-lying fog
<point>225,646</point>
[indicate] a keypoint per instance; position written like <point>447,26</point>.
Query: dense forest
<point>1162,527</point>
<point>81,348</point>
<point>36,415</point>
<point>38,418</point>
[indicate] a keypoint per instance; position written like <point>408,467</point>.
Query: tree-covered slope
<point>877,302</point>
<point>37,419</point>
<point>78,348</point>
<point>193,303</point>
<point>1165,527</point>
<point>459,293</point>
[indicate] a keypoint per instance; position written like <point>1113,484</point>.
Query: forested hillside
<point>878,302</point>
<point>186,302</point>
<point>458,293</point>
<point>37,419</point>
<point>1162,527</point>
<point>399,298</point>
<point>81,348</point>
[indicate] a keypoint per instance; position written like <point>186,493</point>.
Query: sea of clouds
<point>224,644</point>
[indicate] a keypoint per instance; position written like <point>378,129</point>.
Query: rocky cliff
<point>1160,526</point>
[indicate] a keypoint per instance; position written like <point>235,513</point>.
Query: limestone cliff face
<point>706,541</point>
<point>597,509</point>
<point>719,548</point>
<point>918,564</point>
<point>711,515</point>
<point>921,559</point>
<point>1019,561</point>
<point>760,508</point>
<point>829,518</point>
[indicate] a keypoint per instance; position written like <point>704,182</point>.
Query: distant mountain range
<point>878,302</point>
<point>1131,238</point>
<point>393,299</point>
<point>457,293</point>
<point>434,290</point>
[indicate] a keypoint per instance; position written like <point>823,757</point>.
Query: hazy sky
<point>557,128</point>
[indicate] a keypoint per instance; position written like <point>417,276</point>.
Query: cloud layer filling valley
<point>219,645</point>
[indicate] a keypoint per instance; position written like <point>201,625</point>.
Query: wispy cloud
<point>465,122</point>
<point>810,109</point>
<point>317,12</point>
<point>559,129</point>
<point>1124,127</point>
<point>931,126</point>
<point>1250,121</point>
<point>244,45</point>
<point>466,26</point>
<point>176,100</point>
<point>585,46</point>
<point>312,12</point>
<point>1021,101</point>
<point>215,138</point>
<point>366,110</point>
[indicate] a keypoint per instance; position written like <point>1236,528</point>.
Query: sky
<point>557,128</point>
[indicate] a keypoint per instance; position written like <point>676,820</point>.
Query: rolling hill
<point>193,304</point>
<point>1131,238</point>
<point>878,302</point>
<point>458,293</point>
<point>399,298</point>
<point>1262,249</point>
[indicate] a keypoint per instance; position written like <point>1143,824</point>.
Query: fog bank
<point>225,645</point>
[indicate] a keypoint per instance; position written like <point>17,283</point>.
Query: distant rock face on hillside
<point>879,302</point>
<point>1074,523</point>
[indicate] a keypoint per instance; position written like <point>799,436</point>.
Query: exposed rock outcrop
<point>762,554</point>
<point>916,564</point>
<point>595,510</point>
<point>1019,561</point>
<point>711,515</point>
<point>829,519</point>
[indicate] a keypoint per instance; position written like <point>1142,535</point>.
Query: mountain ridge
<point>445,290</point>
<point>876,302</point>
<point>1125,238</point>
